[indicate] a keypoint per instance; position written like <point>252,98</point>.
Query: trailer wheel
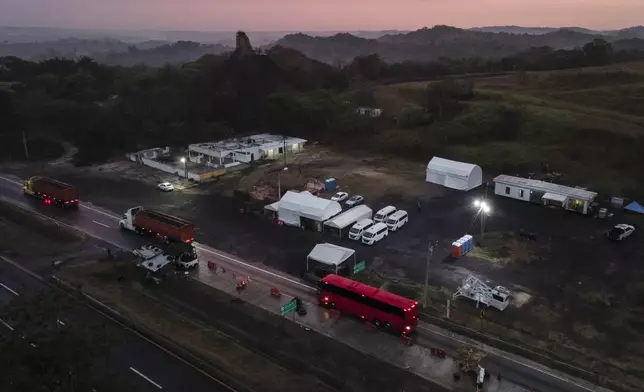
<point>387,326</point>
<point>377,323</point>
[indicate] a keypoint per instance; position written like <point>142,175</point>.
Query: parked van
<point>397,220</point>
<point>375,233</point>
<point>383,214</point>
<point>356,231</point>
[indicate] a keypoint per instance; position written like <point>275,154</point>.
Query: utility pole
<point>430,252</point>
<point>24,142</point>
<point>284,149</point>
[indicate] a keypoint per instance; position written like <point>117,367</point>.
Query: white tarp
<point>350,217</point>
<point>330,254</point>
<point>555,197</point>
<point>294,205</point>
<point>453,174</point>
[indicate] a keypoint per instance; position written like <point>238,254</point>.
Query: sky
<point>261,15</point>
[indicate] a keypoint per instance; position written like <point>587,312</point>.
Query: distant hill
<point>429,44</point>
<point>113,52</point>
<point>630,32</point>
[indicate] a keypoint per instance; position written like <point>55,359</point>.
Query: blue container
<point>330,184</point>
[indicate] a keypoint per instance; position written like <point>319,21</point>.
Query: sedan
<point>340,196</point>
<point>620,231</point>
<point>354,200</point>
<point>166,186</point>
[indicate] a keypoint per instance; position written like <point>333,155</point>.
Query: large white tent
<point>296,205</point>
<point>332,256</point>
<point>453,174</point>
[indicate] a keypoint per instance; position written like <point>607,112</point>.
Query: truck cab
<point>127,219</point>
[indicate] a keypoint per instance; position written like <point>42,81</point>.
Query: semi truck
<point>51,191</point>
<point>147,221</point>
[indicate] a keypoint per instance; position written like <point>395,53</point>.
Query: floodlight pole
<point>430,252</point>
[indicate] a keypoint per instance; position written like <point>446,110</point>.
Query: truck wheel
<point>377,323</point>
<point>121,226</point>
<point>387,326</point>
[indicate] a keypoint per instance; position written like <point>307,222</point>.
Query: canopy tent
<point>273,207</point>
<point>453,174</point>
<point>635,207</point>
<point>330,255</point>
<point>555,197</point>
<point>294,205</point>
<point>350,217</point>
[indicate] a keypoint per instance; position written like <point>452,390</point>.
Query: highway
<point>103,225</point>
<point>140,362</point>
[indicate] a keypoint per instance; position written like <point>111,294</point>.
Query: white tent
<point>452,174</point>
<point>330,255</point>
<point>348,218</point>
<point>294,205</point>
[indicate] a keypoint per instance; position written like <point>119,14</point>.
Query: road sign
<point>359,267</point>
<point>289,307</point>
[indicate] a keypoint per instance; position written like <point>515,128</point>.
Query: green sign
<point>359,267</point>
<point>289,307</point>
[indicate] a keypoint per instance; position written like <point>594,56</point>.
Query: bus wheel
<point>387,326</point>
<point>377,323</point>
<point>332,305</point>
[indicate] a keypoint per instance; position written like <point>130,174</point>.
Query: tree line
<point>105,110</point>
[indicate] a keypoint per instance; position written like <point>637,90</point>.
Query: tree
<point>41,354</point>
<point>598,52</point>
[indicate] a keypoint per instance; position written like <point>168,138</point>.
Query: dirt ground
<point>575,294</point>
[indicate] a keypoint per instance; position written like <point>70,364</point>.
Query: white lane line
<point>145,377</point>
<point>6,325</point>
<point>11,181</point>
<point>8,289</point>
<point>60,322</point>
<point>102,224</point>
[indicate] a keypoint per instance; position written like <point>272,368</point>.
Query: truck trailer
<point>146,221</point>
<point>51,191</point>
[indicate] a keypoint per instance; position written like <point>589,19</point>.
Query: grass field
<point>587,124</point>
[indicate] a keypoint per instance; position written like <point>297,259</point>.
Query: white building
<point>547,193</point>
<point>330,258</point>
<point>342,223</point>
<point>453,174</point>
<point>371,112</point>
<point>246,149</point>
<point>305,210</point>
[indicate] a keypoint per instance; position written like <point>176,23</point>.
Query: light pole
<point>279,183</point>
<point>185,166</point>
<point>430,253</point>
<point>484,209</point>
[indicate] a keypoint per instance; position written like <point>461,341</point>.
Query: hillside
<point>585,123</point>
<point>429,44</point>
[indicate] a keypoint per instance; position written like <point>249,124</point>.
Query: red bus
<point>382,308</point>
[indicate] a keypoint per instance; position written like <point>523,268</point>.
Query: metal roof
<point>446,166</point>
<point>330,254</point>
<point>348,217</point>
<point>548,187</point>
<point>309,206</point>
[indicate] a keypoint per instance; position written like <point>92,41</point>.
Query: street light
<point>279,184</point>
<point>185,166</point>
<point>484,209</point>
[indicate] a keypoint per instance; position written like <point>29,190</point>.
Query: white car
<point>620,231</point>
<point>340,196</point>
<point>166,186</point>
<point>354,200</point>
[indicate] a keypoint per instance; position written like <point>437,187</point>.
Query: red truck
<point>168,227</point>
<point>51,191</point>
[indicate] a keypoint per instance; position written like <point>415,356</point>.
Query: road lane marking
<point>60,322</point>
<point>8,289</point>
<point>6,325</point>
<point>145,377</point>
<point>102,224</point>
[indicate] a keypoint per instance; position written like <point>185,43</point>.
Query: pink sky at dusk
<point>222,15</point>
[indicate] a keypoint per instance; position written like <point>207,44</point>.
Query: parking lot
<point>572,288</point>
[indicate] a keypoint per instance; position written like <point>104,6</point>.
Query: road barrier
<point>275,292</point>
<point>212,265</point>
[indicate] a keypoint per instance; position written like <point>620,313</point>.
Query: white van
<point>356,231</point>
<point>374,234</point>
<point>397,220</point>
<point>383,214</point>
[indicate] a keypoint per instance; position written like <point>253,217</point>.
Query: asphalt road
<point>103,225</point>
<point>140,363</point>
